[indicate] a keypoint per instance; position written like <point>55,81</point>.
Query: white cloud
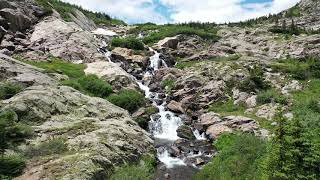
<point>129,10</point>
<point>219,11</point>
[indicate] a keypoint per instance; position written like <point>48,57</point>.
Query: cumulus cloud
<point>219,11</point>
<point>131,11</point>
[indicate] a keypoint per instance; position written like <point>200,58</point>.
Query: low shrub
<point>130,100</point>
<point>95,86</point>
<point>254,82</point>
<point>238,158</point>
<point>8,90</point>
<point>271,96</point>
<point>169,85</point>
<point>130,43</point>
<point>51,147</point>
<point>143,171</point>
<point>11,166</point>
<point>300,69</point>
<point>12,131</point>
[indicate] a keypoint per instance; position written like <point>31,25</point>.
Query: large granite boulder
<point>99,135</point>
<point>15,71</point>
<point>113,74</point>
<point>65,40</point>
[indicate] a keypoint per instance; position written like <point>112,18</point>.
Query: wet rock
<point>185,132</point>
<point>176,107</point>
<point>125,55</point>
<point>199,162</point>
<point>169,42</point>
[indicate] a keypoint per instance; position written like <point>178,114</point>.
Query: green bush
<point>238,158</point>
<point>51,147</point>
<point>143,171</point>
<point>294,151</point>
<point>11,166</point>
<point>95,86</point>
<point>130,43</point>
<point>169,85</point>
<point>74,84</point>
<point>91,84</point>
<point>271,96</point>
<point>8,90</point>
<point>254,82</point>
<point>300,69</point>
<point>130,100</point>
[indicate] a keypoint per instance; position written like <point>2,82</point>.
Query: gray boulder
<point>102,134</point>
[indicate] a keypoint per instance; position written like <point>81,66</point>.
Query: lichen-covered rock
<point>102,134</point>
<point>24,74</point>
<point>65,40</point>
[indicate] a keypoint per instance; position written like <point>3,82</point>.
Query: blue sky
<point>171,11</point>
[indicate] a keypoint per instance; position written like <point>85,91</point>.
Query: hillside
<point>85,96</point>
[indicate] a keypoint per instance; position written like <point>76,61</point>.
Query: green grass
<point>130,43</point>
<point>238,158</point>
<point>56,65</point>
<point>300,69</point>
<point>65,9</point>
<point>90,84</point>
<point>207,32</point>
<point>271,96</point>
<point>130,100</point>
<point>8,90</point>
<point>143,171</point>
<point>226,107</point>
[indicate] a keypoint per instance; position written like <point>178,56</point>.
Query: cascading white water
<point>165,126</point>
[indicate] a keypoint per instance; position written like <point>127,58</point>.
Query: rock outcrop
<point>113,74</point>
<point>103,135</point>
<point>65,40</point>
